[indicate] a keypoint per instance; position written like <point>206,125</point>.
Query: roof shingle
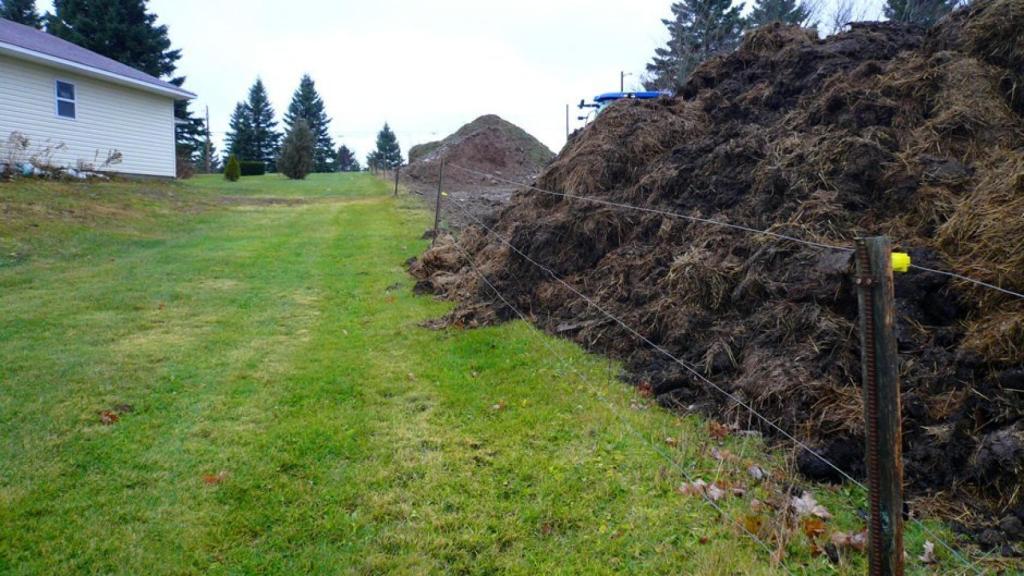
<point>28,38</point>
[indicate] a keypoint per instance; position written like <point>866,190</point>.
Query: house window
<point>65,99</point>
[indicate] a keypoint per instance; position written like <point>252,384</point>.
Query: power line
<point>733,226</point>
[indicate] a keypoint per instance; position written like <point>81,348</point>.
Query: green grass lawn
<point>280,410</point>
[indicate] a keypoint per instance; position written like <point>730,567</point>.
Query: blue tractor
<point>604,100</point>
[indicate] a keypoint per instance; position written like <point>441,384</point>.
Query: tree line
<point>700,29</point>
<point>124,30</point>
<point>305,145</point>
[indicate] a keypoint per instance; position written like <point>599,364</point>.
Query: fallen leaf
<point>645,390</point>
<point>806,505</point>
<point>813,527</point>
<point>546,529</point>
<point>108,417</point>
<point>717,430</point>
<point>852,541</point>
<point>499,406</point>
<point>214,479</point>
<point>722,455</point>
<point>671,441</point>
<point>929,553</point>
<point>704,540</point>
<point>756,472</point>
<point>715,493</point>
<point>696,488</point>
<point>753,523</point>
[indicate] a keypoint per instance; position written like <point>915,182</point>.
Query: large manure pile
<point>887,128</point>
<point>488,144</point>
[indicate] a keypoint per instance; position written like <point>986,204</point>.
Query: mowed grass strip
<point>215,388</point>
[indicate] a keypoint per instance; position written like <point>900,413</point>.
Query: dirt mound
<point>488,144</point>
<point>886,128</point>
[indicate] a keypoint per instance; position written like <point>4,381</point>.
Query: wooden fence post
<point>879,364</point>
<point>398,170</point>
<point>437,202</point>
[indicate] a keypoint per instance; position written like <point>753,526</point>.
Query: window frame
<point>58,99</point>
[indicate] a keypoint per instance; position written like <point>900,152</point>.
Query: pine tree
<point>346,160</point>
<point>189,130</point>
<point>785,11</point>
<point>124,31</point>
<point>926,12</point>
<point>297,151</point>
<point>232,169</point>
<point>118,29</point>
<point>373,161</point>
<point>239,139</point>
<point>307,105</point>
<point>388,153</point>
<point>698,30</point>
<point>265,137</point>
<point>22,12</point>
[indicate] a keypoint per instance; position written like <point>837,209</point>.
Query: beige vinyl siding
<point>138,124</point>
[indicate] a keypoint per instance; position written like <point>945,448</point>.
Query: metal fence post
<point>879,364</point>
<point>437,202</point>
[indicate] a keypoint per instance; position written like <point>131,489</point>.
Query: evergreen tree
<point>346,160</point>
<point>118,29</point>
<point>785,11</point>
<point>698,30</point>
<point>232,169</point>
<point>926,12</point>
<point>189,130</point>
<point>21,11</point>
<point>297,151</point>
<point>373,162</point>
<point>239,139</point>
<point>265,137</point>
<point>388,154</point>
<point>307,105</point>
<point>124,31</point>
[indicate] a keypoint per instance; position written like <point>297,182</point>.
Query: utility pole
<point>566,122</point>
<point>208,168</point>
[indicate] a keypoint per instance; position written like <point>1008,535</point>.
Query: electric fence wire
<point>622,420</point>
<point>696,373</point>
<point>733,226</point>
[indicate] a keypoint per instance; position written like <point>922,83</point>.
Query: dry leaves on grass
<point>850,540</point>
<point>714,491</point>
<point>928,557</point>
<point>806,505</point>
<point>717,430</point>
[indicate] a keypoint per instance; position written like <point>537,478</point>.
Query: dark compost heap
<point>885,129</point>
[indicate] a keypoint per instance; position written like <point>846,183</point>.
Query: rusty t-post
<point>882,411</point>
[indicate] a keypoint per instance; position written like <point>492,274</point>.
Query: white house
<point>84,107</point>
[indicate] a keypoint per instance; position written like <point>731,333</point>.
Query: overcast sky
<point>424,67</point>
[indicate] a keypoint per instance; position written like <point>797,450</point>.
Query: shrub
<point>253,168</point>
<point>232,171</point>
<point>296,160</point>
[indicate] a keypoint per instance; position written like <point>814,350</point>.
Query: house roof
<point>28,43</point>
